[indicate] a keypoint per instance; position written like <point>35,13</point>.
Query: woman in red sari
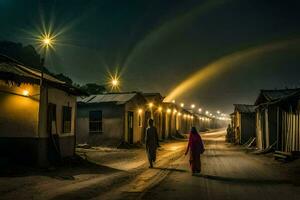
<point>195,147</point>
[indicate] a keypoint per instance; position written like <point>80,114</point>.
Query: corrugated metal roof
<point>278,94</point>
<point>119,98</point>
<point>274,95</point>
<point>14,71</point>
<point>243,108</point>
<point>8,68</point>
<point>15,68</point>
<point>39,74</point>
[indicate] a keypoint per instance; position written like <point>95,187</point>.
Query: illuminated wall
<point>60,99</point>
<point>19,108</point>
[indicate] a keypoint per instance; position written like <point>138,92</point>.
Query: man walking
<point>151,141</point>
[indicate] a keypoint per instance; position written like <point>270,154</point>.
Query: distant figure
<point>228,135</point>
<point>195,148</point>
<point>238,133</point>
<point>151,141</point>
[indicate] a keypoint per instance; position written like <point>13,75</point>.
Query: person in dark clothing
<point>151,141</point>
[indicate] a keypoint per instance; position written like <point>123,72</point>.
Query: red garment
<point>195,147</point>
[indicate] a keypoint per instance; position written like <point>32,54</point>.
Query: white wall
<point>112,124</point>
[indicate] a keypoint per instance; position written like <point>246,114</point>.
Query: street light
<point>25,93</point>
<point>140,111</point>
<point>159,108</point>
<point>182,105</point>
<point>114,81</point>
<point>150,105</point>
<point>47,41</point>
<point>200,110</point>
<point>193,106</point>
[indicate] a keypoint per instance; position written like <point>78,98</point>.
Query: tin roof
<point>243,108</point>
<point>266,96</point>
<point>118,98</point>
<point>12,70</point>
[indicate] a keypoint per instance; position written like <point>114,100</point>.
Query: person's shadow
<point>170,169</point>
<point>236,180</point>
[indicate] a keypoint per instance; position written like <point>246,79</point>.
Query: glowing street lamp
<point>193,106</point>
<point>182,105</point>
<point>173,101</point>
<point>25,93</point>
<point>159,108</point>
<point>218,112</point>
<point>168,110</point>
<point>207,112</point>
<point>150,105</point>
<point>200,110</point>
<point>140,111</point>
<point>114,81</point>
<point>47,41</point>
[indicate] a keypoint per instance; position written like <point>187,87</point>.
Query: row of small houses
<point>42,118</point>
<point>123,118</point>
<point>274,120</point>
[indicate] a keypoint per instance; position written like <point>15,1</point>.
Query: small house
<point>111,118</point>
<point>37,115</point>
<point>267,116</point>
<point>278,120</point>
<point>243,121</point>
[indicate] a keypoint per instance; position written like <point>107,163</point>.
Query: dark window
<point>51,126</point>
<point>95,120</point>
<point>67,119</point>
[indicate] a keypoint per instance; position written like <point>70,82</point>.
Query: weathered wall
<point>60,99</point>
<point>133,106</point>
<point>112,119</point>
<point>259,130</point>
<point>248,126</point>
<point>23,122</point>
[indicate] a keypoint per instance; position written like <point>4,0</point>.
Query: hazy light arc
<point>223,64</point>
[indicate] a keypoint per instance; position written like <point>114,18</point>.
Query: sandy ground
<point>229,173</point>
<point>104,169</point>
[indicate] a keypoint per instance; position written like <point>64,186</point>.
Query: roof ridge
<point>275,90</point>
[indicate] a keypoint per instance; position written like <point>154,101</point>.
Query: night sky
<point>158,44</point>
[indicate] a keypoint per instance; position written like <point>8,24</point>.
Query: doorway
<point>130,127</point>
<point>53,139</point>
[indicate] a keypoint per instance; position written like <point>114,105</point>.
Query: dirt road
<point>228,173</point>
<point>105,169</point>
